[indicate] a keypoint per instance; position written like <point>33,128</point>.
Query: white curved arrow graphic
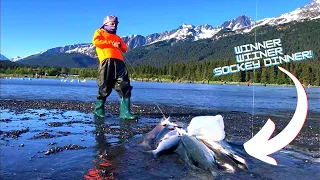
<point>260,146</point>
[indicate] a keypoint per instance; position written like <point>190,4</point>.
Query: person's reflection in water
<point>107,155</point>
<point>102,144</point>
<point>104,168</point>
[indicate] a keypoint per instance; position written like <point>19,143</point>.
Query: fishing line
<point>254,74</point>
<point>161,111</point>
<point>126,60</point>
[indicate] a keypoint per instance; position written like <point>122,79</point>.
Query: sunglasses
<point>111,23</point>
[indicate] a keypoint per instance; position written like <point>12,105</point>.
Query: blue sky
<point>30,26</point>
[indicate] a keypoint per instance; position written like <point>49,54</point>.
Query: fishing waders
<point>112,74</point>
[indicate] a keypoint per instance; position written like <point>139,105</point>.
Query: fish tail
<point>150,151</point>
<point>153,152</point>
<point>166,122</point>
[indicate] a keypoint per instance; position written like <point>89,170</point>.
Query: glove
<point>116,44</point>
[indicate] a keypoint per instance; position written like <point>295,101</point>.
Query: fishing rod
<point>127,60</point>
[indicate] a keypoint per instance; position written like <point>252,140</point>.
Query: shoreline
<point>2,76</point>
<point>238,125</point>
<point>145,109</point>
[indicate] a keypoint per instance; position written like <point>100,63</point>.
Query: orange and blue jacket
<point>103,42</point>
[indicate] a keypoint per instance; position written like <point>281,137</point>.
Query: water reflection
<point>103,165</point>
<point>105,161</point>
<point>102,144</point>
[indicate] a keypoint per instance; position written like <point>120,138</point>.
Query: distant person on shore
<point>112,71</point>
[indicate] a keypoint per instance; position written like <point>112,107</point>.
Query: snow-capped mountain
<point>135,41</point>
<point>84,48</point>
<point>183,32</point>
<point>241,24</point>
<point>308,12</point>
<point>3,58</point>
<point>188,32</point>
<point>16,58</point>
<point>87,49</point>
<point>238,23</point>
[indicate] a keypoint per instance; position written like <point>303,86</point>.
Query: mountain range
<point>186,32</point>
<point>3,58</point>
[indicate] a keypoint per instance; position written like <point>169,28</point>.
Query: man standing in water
<point>112,72</point>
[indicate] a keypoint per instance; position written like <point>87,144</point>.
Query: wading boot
<point>125,109</point>
<point>99,109</point>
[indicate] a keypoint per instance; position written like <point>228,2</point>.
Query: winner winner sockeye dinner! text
<point>271,52</point>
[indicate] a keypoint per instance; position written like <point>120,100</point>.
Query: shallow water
<point>270,99</point>
<point>111,154</point>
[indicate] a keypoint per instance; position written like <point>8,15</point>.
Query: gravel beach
<point>63,140</point>
<point>238,125</point>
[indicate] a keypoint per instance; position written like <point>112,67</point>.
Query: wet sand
<point>63,140</point>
